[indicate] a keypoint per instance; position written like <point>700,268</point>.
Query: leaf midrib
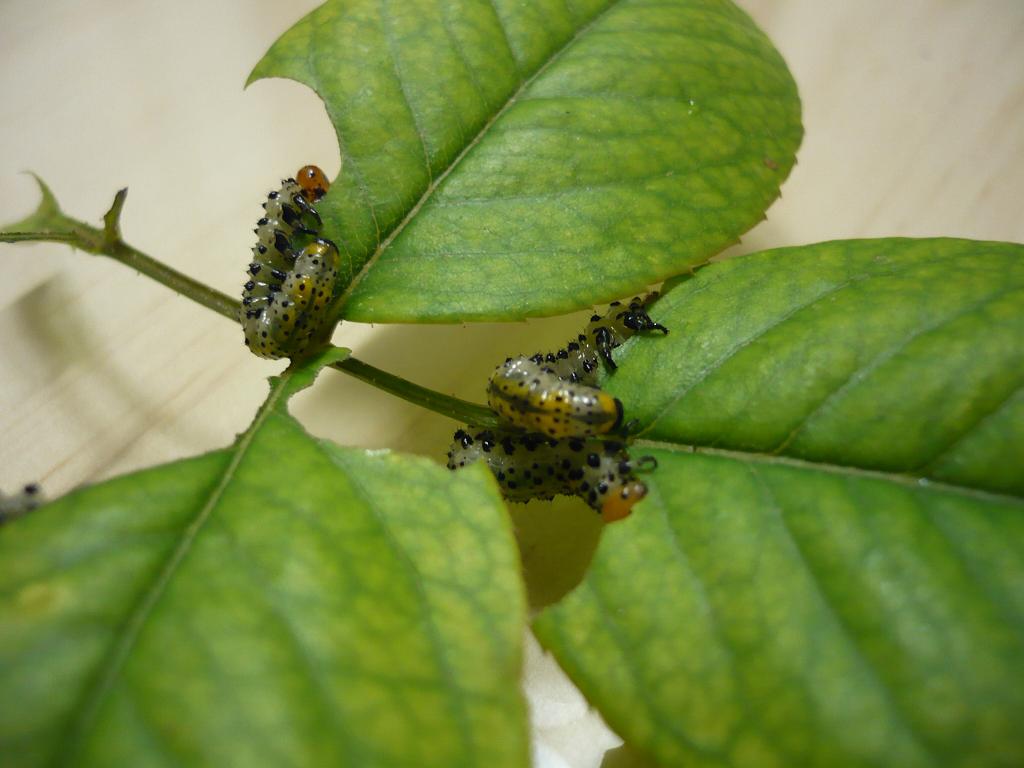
<point>340,303</point>
<point>125,641</point>
<point>917,482</point>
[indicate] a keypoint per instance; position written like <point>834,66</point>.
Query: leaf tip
<point>254,75</point>
<point>288,56</point>
<point>47,212</point>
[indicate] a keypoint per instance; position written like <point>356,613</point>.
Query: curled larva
<point>529,394</point>
<point>556,393</point>
<point>555,398</point>
<point>532,466</point>
<point>292,275</point>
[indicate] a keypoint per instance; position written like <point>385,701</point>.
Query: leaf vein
<point>842,470</point>
<point>436,641</point>
<point>315,675</point>
<point>953,544</point>
<point>313,65</point>
<point>386,21</point>
<point>626,651</point>
<point>849,633</point>
<point>737,347</point>
<point>979,420</point>
<point>504,35</point>
<point>858,376</point>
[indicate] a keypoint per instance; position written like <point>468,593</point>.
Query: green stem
<point>107,242</point>
<point>210,298</point>
<point>94,241</point>
<point>68,238</point>
<point>446,405</point>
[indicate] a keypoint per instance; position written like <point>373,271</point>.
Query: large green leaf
<point>282,602</point>
<point>823,573</point>
<point>769,612</point>
<point>507,158</point>
<point>900,355</point>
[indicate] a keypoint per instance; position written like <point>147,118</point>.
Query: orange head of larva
<point>620,504</point>
<point>312,183</point>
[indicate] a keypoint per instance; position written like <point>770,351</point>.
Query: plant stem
<point>93,240</point>
<point>108,242</point>
<point>446,405</point>
<point>210,298</point>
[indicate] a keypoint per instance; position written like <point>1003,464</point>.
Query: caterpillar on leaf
<point>557,393</point>
<point>532,466</point>
<point>554,410</point>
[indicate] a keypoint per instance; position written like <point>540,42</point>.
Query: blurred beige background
<point>914,116</point>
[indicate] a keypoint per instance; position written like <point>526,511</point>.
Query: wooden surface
<point>914,116</point>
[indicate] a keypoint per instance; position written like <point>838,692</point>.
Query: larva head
<point>313,183</point>
<point>620,503</point>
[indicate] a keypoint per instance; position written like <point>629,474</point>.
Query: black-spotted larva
<point>556,393</point>
<point>532,466</point>
<point>293,272</point>
<point>530,395</point>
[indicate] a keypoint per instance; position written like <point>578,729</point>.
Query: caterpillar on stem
<point>292,276</point>
<point>554,411</point>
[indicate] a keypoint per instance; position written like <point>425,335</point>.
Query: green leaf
<point>46,222</point>
<point>504,159</point>
<point>829,567</point>
<point>285,601</point>
<point>770,612</point>
<point>899,355</point>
